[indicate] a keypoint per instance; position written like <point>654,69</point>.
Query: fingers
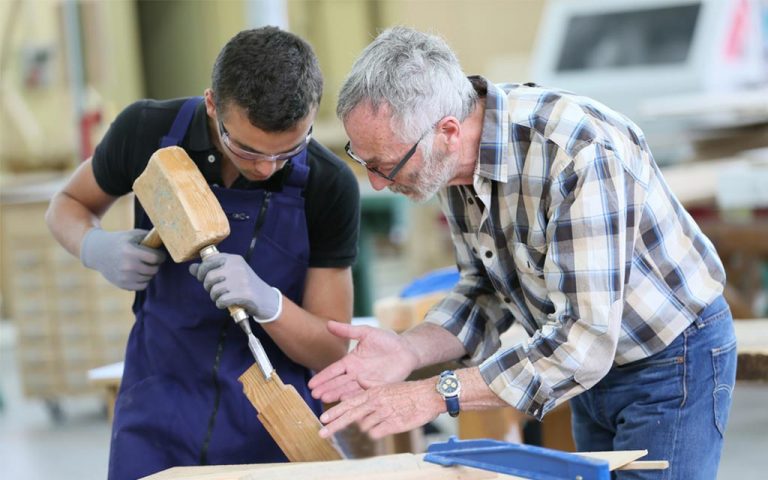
<point>345,330</point>
<point>151,256</point>
<point>148,255</point>
<point>382,430</point>
<point>344,414</point>
<point>338,388</point>
<point>350,389</point>
<point>331,371</point>
<point>210,282</point>
<point>210,263</point>
<point>373,419</point>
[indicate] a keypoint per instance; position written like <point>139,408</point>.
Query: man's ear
<point>210,106</point>
<point>449,133</point>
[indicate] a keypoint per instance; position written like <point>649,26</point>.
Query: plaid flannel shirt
<point>570,229</point>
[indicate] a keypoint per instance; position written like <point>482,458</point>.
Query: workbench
<point>440,462</point>
<point>752,338</point>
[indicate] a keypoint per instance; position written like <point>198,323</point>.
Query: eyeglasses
<point>252,155</point>
<point>391,175</point>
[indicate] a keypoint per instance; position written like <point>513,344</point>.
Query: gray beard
<point>436,173</point>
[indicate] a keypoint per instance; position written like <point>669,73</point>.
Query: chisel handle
<point>238,313</point>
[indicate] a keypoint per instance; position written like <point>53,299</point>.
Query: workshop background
<point>692,73</point>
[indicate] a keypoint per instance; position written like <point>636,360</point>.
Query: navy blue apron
<point>180,402</point>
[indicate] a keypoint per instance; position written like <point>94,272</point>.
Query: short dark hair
<point>272,74</point>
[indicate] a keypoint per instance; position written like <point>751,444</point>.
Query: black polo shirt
<point>332,197</point>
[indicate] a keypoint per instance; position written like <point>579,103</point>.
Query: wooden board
<point>287,418</point>
<point>404,466</point>
<point>618,459</point>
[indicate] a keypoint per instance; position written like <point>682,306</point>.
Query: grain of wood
<point>287,418</point>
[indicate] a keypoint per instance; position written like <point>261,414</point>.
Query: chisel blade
<point>260,355</point>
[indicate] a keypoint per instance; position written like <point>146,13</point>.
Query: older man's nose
<point>377,182</point>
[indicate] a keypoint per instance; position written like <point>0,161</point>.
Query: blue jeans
<point>674,404</point>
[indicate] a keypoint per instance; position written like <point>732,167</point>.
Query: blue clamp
<point>526,461</point>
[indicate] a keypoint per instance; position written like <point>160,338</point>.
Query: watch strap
<point>452,404</point>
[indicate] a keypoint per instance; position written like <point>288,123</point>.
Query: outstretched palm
<point>380,357</point>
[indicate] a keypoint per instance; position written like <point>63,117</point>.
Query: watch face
<point>449,386</point>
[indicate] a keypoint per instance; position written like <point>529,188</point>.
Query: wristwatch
<point>448,387</point>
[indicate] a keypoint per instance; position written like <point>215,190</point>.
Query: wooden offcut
<point>183,209</point>
<point>287,418</point>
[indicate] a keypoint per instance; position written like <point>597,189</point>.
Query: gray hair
<point>416,74</point>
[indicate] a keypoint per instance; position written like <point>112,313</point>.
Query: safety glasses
<point>248,154</point>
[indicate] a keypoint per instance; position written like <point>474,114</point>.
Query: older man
<point>562,222</point>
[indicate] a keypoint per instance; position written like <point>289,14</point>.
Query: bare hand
<point>380,357</point>
<point>386,409</point>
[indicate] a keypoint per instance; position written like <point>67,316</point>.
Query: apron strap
<point>299,174</point>
<point>181,123</point>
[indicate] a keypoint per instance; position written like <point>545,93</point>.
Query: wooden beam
<point>287,418</point>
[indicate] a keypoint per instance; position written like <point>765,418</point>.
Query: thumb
<point>193,269</point>
<point>136,235</point>
<point>345,330</point>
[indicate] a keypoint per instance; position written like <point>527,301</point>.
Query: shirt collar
<point>494,156</point>
<point>199,135</point>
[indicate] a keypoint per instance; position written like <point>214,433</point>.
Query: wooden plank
<point>616,459</point>
<point>401,466</point>
<point>646,465</point>
<point>287,418</point>
<point>404,466</point>
<point>208,472</point>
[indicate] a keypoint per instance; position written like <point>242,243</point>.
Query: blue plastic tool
<point>525,461</point>
<point>434,281</point>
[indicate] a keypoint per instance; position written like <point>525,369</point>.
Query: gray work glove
<point>231,281</point>
<point>120,257</point>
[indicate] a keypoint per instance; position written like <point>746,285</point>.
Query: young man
<point>561,221</point>
<point>293,212</point>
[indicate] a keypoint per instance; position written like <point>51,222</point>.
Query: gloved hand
<point>120,257</point>
<point>231,281</point>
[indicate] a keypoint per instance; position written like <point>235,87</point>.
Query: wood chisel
<point>241,317</point>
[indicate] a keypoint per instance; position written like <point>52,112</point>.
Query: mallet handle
<point>152,240</point>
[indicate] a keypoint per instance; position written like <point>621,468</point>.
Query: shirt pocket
<point>529,261</point>
<point>529,264</point>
